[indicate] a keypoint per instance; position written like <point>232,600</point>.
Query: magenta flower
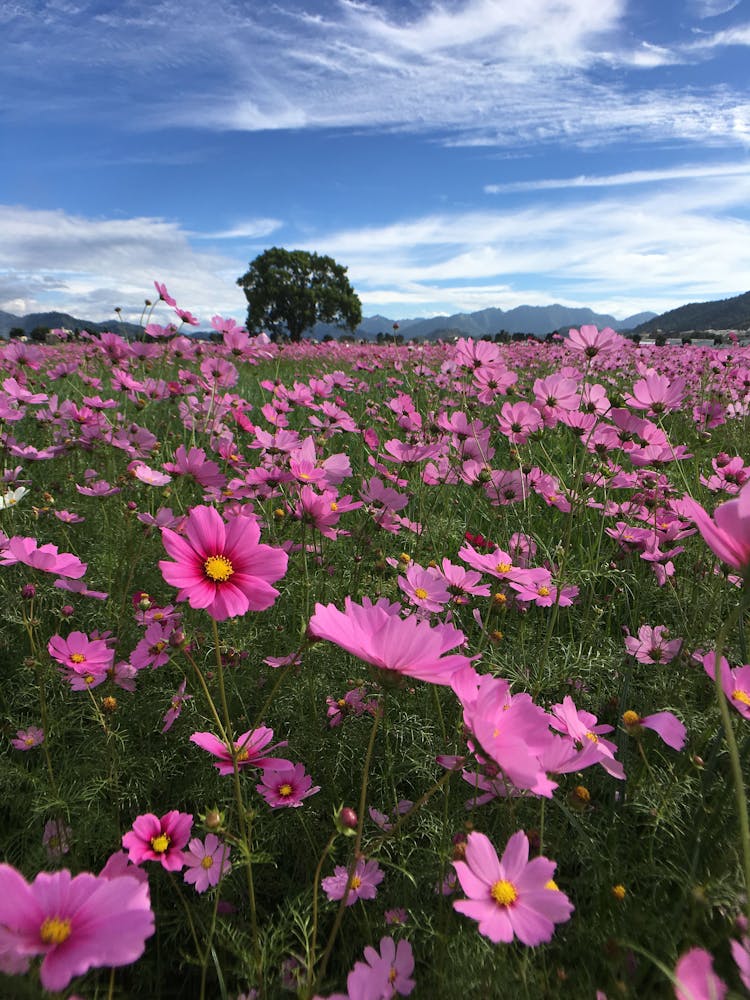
<point>383,975</point>
<point>162,840</point>
<point>424,588</point>
<point>727,534</point>
<point>27,739</point>
<point>367,877</point>
<point>175,706</point>
<point>696,979</point>
<point>735,682</point>
<point>206,862</point>
<point>582,728</point>
<point>76,923</point>
<point>511,896</point>
<point>286,786</point>
<point>81,654</point>
<point>220,566</point>
<point>42,557</point>
<point>248,747</point>
<point>664,724</point>
<point>376,634</point>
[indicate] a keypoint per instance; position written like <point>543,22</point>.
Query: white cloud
<point>246,229</point>
<point>54,260</point>
<point>624,179</point>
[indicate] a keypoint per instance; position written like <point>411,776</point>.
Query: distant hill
<point>55,320</point>
<point>539,320</point>
<point>722,314</point>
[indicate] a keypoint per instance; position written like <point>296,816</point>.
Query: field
<point>374,670</point>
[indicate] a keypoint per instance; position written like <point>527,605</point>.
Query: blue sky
<point>452,155</point>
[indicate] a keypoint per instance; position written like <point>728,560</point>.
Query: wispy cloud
<point>247,229</point>
<point>474,71</point>
<point>624,179</point>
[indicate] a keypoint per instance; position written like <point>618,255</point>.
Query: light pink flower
<point>76,923</point>
<point>652,646</point>
<point>511,896</point>
<point>27,739</point>
<point>376,634</point>
<point>206,861</point>
<point>696,979</point>
<point>56,839</point>
<point>81,654</point>
<point>221,566</point>
<point>591,341</point>
<point>735,682</point>
<point>383,975</point>
<point>162,840</point>
<point>367,877</point>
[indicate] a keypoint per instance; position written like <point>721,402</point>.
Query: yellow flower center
<point>503,567</point>
<point>593,737</point>
<point>218,568</point>
<point>552,885</point>
<point>160,843</point>
<point>54,930</point>
<point>159,646</point>
<point>207,861</point>
<point>285,790</point>
<point>504,893</point>
<point>356,882</point>
<point>243,754</point>
<point>742,696</point>
<point>89,679</point>
<point>421,593</point>
<point>29,741</point>
<point>631,718</point>
<point>334,506</point>
<point>543,591</point>
<point>619,891</point>
<point>77,658</point>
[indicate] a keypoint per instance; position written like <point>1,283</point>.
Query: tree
<point>288,291</point>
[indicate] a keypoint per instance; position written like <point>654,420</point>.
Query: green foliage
<point>288,291</point>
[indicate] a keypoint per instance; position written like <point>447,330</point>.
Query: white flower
<point>11,498</point>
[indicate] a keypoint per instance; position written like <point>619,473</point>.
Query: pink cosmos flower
<point>162,840</point>
<point>657,394</point>
<point>27,739</point>
<point>56,839</point>
<point>206,861</point>
<point>76,923</point>
<point>194,463</point>
<point>696,979</point>
<point>220,566</point>
<point>652,646</point>
<point>582,728</point>
<point>424,588</point>
<point>376,634</point>
<point>43,557</point>
<point>248,747</point>
<point>727,534</point>
<point>383,975</point>
<point>511,896</point>
<point>81,654</point>
<point>518,420</point>
<point>175,706</point>
<point>735,682</point>
<point>591,341</point>
<point>286,786</point>
<point>164,295</point>
<point>665,724</point>
<point>367,877</point>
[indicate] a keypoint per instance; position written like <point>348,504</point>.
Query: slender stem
<point>734,756</point>
<point>357,845</point>
<point>314,935</point>
<point>242,817</point>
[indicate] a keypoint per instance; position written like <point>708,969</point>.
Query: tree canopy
<point>288,291</point>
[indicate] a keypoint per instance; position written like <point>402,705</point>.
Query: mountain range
<point>722,314</point>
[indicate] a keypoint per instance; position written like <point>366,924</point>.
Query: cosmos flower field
<point>373,671</point>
